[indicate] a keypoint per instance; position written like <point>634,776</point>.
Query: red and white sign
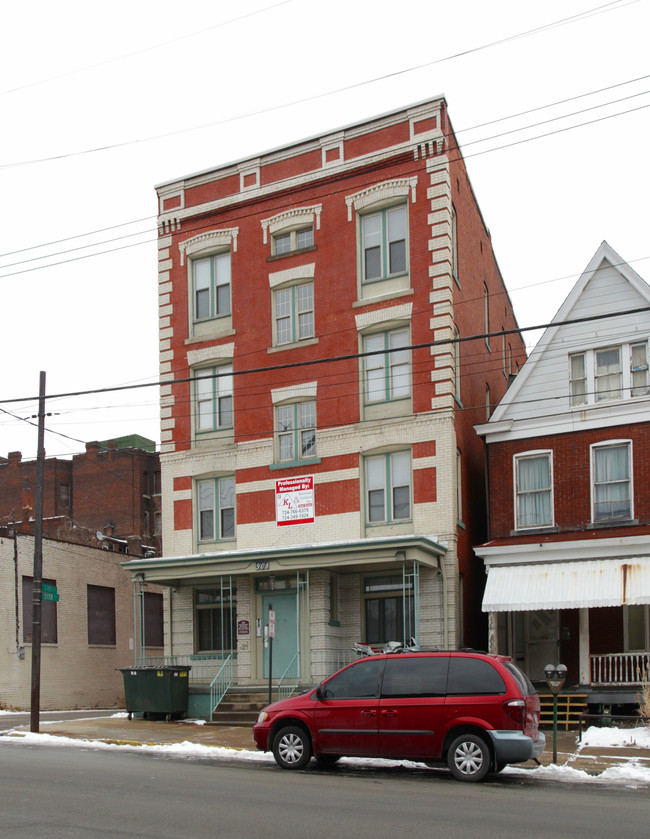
<point>294,501</point>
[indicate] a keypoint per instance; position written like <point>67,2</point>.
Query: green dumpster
<point>161,690</point>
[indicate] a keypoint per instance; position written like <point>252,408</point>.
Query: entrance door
<point>285,643</point>
<point>543,641</point>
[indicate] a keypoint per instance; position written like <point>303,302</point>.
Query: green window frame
<point>216,619</point>
<point>216,499</point>
<point>294,313</point>
<point>211,284</point>
<point>387,372</point>
<point>213,389</point>
<point>293,240</point>
<point>388,479</point>
<point>384,243</point>
<point>296,430</point>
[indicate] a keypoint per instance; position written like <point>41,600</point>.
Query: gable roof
<point>567,314</point>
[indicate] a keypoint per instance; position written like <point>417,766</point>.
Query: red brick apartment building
<point>113,488</point>
<point>325,320</point>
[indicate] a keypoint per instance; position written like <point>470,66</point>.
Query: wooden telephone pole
<point>38,564</point>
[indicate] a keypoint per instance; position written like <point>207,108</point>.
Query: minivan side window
<point>357,682</point>
<point>415,677</point>
<point>473,677</point>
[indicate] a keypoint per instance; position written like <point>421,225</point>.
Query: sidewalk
<point>134,732</point>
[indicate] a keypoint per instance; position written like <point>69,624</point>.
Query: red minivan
<point>475,712</point>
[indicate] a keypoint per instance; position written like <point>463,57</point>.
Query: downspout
<point>443,604</point>
<point>19,649</point>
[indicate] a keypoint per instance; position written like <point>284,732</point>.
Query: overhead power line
<point>332,359</point>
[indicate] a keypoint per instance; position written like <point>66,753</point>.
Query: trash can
<point>159,690</point>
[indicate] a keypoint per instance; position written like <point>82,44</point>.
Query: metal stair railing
<point>286,688</point>
<point>221,683</point>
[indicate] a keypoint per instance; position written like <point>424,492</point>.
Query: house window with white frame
<point>387,370</point>
<point>216,509</point>
<point>608,373</point>
<point>211,284</point>
<point>384,243</point>
<point>533,490</point>
<point>611,481</point>
<point>296,431</point>
<point>293,310</point>
<point>214,398</point>
<point>388,487</point>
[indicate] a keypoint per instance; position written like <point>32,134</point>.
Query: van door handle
<point>389,712</point>
<point>368,713</point>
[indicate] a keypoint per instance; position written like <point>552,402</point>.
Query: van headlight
<point>262,717</point>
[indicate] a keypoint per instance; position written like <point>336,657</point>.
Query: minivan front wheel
<point>292,747</point>
<point>468,758</point>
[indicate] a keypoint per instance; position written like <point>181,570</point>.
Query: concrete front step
<point>241,706</point>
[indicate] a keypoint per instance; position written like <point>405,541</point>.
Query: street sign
<point>52,596</point>
<point>49,588</point>
<point>271,623</point>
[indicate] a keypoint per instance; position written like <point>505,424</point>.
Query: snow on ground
<point>628,773</point>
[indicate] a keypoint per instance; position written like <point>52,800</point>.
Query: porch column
<point>583,646</point>
<point>493,633</point>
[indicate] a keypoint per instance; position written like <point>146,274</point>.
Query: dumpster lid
<point>154,667</point>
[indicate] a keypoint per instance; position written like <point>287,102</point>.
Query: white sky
<point>627,772</point>
<point>79,76</point>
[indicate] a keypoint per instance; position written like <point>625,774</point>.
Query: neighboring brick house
<point>325,320</point>
<point>568,559</point>
<point>85,636</point>
<point>112,488</point>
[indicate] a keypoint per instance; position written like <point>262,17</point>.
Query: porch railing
<point>325,662</point>
<point>620,668</point>
<point>221,682</point>
<point>202,667</point>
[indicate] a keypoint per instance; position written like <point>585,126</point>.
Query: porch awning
<point>567,585</point>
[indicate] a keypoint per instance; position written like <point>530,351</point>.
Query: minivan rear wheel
<point>292,747</point>
<point>468,758</point>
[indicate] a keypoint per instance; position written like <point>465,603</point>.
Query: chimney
<point>14,459</point>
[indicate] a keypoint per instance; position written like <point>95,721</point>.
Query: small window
<point>216,498</point>
<point>359,681</point>
<point>211,281</point>
<point>295,240</point>
<point>473,677</point>
<point>64,496</point>
<point>388,487</point>
<point>639,369</point>
<point>296,431</point>
<point>214,398</point>
<point>608,374</point>
<point>101,615</point>
<point>384,243</point>
<point>578,379</point>
<point>294,313</point>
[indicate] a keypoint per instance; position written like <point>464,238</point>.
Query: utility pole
<point>38,564</point>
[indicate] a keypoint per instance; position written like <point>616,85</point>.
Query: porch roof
<point>567,585</point>
<point>196,569</point>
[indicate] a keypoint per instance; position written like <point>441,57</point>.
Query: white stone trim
<point>209,241</point>
<point>300,272</point>
<point>205,354</point>
<point>291,218</point>
<point>367,319</point>
<point>301,391</point>
<point>384,191</point>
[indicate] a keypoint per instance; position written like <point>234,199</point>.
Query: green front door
<point>285,643</point>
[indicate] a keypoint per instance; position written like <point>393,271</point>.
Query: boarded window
<point>153,619</point>
<point>101,615</point>
<point>48,614</point>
